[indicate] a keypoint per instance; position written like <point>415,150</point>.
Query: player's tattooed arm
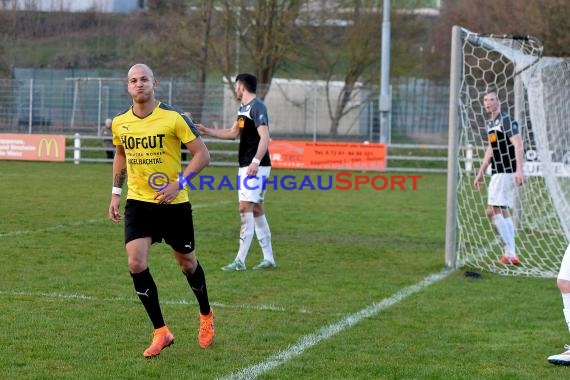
<point>119,178</point>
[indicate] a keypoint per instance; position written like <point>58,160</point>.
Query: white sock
<point>502,229</point>
<point>264,237</point>
<point>511,248</point>
<point>245,235</point>
<point>566,310</point>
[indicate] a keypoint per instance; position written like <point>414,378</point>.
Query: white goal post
<point>535,91</point>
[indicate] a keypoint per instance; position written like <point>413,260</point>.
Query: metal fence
<point>297,109</point>
<point>417,158</point>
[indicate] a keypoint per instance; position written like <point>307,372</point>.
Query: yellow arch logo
<point>45,146</point>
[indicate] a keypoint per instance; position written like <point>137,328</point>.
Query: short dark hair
<point>249,81</point>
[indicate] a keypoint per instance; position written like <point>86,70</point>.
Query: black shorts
<point>173,223</point>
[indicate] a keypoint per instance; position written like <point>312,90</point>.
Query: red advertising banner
<point>327,155</point>
<point>29,147</point>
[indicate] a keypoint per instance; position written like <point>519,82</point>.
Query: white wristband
<point>255,161</point>
<point>116,190</point>
<point>184,185</point>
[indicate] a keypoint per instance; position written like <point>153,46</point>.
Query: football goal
<point>535,91</point>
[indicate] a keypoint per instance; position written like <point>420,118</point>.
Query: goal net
<point>535,91</point>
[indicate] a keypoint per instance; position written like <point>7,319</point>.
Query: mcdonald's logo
<point>45,146</point>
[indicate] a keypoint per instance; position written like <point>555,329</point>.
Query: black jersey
<point>500,131</point>
<point>250,117</point>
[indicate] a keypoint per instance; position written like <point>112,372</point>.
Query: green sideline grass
<point>69,310</point>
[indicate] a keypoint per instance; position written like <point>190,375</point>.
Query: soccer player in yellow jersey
<point>147,137</point>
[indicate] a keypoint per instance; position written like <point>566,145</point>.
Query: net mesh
<point>534,90</point>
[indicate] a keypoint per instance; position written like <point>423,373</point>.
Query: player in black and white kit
<point>252,128</point>
<point>505,155</point>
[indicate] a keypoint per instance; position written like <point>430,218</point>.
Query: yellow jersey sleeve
<point>186,129</point>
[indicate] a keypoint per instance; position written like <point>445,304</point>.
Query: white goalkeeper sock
<point>511,247</point>
<point>245,235</point>
<point>566,310</point>
<point>499,222</point>
<point>264,237</point>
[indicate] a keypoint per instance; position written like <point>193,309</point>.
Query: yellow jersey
<point>152,149</point>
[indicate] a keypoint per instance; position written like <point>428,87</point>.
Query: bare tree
<point>343,45</point>
<point>545,19</point>
<point>177,40</point>
<point>170,39</point>
<point>202,74</point>
<point>262,30</point>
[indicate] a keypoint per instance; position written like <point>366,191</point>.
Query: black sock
<point>197,282</point>
<point>148,294</point>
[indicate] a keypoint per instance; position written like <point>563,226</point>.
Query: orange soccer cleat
<point>206,334</point>
<point>161,338</point>
<point>510,260</point>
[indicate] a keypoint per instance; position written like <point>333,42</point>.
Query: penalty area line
<point>327,332</point>
<point>83,297</point>
<point>88,221</point>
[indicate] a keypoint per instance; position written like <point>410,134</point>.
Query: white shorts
<point>564,273</point>
<point>253,189</point>
<point>501,190</point>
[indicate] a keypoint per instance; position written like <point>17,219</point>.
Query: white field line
<point>83,297</point>
<point>326,332</point>
<point>88,221</point>
<point>52,228</point>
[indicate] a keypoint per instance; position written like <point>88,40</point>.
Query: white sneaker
<point>265,264</point>
<point>561,359</point>
<point>235,265</point>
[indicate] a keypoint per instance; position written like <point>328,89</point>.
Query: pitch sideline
<point>327,332</point>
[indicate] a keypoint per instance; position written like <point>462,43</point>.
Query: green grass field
<point>354,296</point>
